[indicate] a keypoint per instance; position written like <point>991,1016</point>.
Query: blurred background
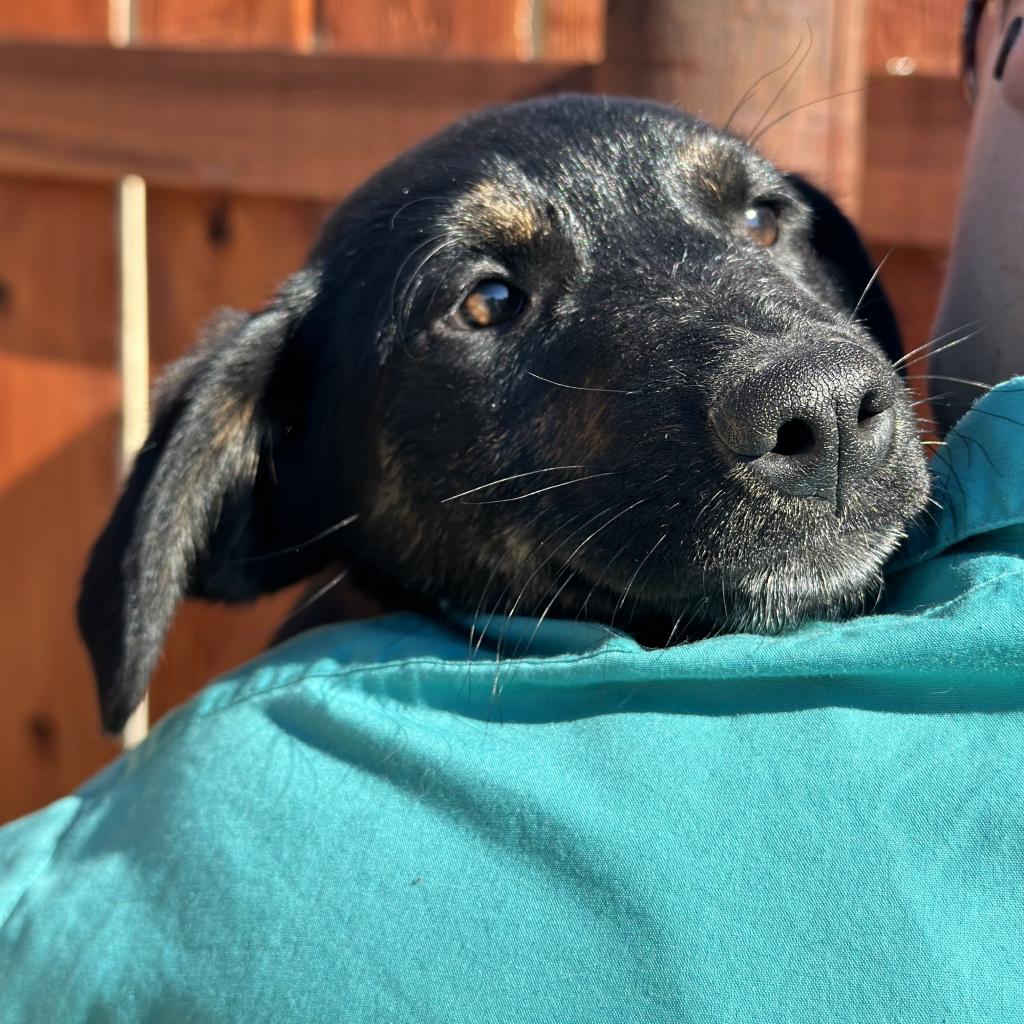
<point>161,158</point>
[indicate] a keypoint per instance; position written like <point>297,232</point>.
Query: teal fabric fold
<point>373,823</point>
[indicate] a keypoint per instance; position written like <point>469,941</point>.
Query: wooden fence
<point>245,120</point>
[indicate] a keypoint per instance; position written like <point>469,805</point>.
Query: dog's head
<point>571,356</point>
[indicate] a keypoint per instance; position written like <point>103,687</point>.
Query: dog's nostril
<point>869,406</point>
<point>795,437</point>
<point>875,408</point>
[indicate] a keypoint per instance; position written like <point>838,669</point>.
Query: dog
<point>572,356</point>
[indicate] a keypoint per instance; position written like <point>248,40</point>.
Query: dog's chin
<point>784,590</point>
<point>766,592</point>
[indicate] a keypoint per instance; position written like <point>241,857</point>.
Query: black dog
<point>575,355</point>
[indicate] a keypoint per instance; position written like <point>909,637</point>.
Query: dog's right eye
<point>491,303</point>
<point>762,224</point>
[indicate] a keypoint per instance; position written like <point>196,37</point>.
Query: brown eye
<point>762,224</point>
<point>491,303</point>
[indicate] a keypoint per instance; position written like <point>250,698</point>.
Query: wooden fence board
<point>59,395</point>
<point>914,149</point>
<point>211,249</point>
<point>272,24</point>
<point>291,126</point>
<point>501,29</point>
<point>65,20</point>
<point>572,30</point>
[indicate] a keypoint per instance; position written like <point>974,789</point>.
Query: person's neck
<point>983,297</point>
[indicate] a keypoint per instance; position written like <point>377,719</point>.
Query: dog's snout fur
<point>813,424</point>
<point>572,357</point>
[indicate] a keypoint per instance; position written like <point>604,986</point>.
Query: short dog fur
<point>524,371</point>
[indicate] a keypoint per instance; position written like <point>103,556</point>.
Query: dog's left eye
<point>491,303</point>
<point>762,224</point>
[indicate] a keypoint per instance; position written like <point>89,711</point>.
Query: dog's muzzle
<point>812,424</point>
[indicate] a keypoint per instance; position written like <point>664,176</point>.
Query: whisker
<point>601,577</point>
<point>297,547</point>
<point>757,81</point>
<point>573,572</point>
<point>752,137</point>
<point>409,293</point>
<point>412,202</point>
<point>871,281</point>
<point>506,479</point>
<point>977,322</point>
<point>954,380</point>
<point>931,399</point>
<point>636,572</point>
<point>544,562</point>
<point>411,255</point>
<point>935,351</point>
<point>577,387</point>
<point>542,490</point>
<point>810,103</point>
<point>536,571</point>
<point>313,598</point>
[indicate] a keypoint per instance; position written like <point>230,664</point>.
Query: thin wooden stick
<point>133,317</point>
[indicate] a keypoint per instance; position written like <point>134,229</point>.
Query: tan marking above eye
<point>762,224</point>
<point>489,207</point>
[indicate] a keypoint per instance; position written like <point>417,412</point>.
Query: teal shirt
<point>369,825</point>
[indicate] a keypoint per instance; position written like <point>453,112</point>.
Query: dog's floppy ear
<point>202,502</point>
<point>839,247</point>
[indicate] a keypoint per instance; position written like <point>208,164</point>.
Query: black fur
<point>360,392</point>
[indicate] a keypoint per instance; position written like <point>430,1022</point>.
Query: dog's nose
<point>811,425</point>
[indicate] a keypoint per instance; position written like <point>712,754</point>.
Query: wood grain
<point>560,30</point>
<point>65,20</point>
<point>915,143</point>
<point>499,29</point>
<point>210,249</point>
<point>242,24</point>
<point>59,396</point>
<point>291,126</point>
<point>571,30</point>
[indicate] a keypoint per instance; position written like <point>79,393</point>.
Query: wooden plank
<point>571,30</point>
<point>66,20</point>
<point>562,30</point>
<point>916,140</point>
<point>270,24</point>
<point>293,126</point>
<point>915,37</point>
<point>500,29</point>
<point>209,249</point>
<point>810,109</point>
<point>59,395</point>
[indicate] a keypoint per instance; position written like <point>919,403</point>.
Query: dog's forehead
<point>618,170</point>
